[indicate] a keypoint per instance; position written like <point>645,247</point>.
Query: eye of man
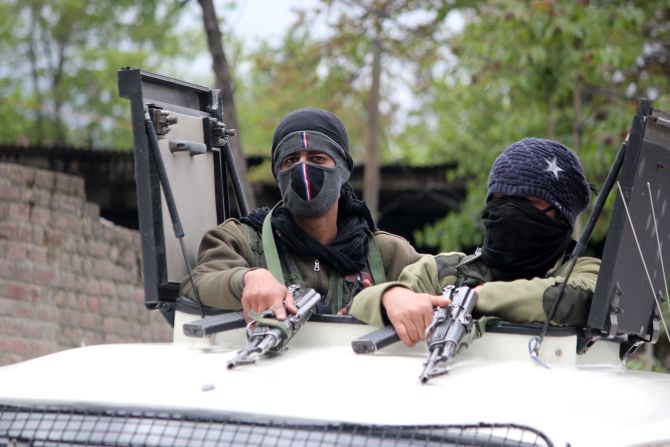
<point>317,158</point>
<point>289,161</point>
<point>320,158</point>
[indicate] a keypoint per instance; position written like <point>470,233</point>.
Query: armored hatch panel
<point>194,154</point>
<point>637,249</point>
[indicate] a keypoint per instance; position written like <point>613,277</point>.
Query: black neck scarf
<point>521,241</point>
<point>347,254</point>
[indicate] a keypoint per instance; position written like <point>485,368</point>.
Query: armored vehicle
<point>521,385</point>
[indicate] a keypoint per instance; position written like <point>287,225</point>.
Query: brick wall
<point>67,277</point>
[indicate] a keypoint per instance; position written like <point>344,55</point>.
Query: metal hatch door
<point>197,163</point>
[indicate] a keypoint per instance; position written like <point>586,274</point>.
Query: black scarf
<point>521,241</point>
<point>347,254</point>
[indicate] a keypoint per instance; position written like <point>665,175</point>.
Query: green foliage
<point>561,70</point>
<point>287,77</point>
<point>61,58</point>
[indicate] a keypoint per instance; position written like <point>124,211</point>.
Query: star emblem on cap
<point>552,166</point>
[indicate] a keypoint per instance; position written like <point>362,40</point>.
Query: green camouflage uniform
<point>231,249</point>
<point>517,301</point>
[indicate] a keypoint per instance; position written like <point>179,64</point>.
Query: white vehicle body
<point>586,400</point>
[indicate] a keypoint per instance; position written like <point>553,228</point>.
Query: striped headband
<point>309,141</point>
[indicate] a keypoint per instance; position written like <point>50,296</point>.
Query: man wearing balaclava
<point>319,236</point>
<point>536,190</point>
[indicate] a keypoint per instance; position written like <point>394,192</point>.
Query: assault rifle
<point>446,331</point>
<point>444,335</point>
<point>267,335</point>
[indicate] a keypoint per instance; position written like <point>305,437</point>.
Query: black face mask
<point>521,241</point>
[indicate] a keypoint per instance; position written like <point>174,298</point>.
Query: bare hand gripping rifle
<point>267,335</point>
<point>444,335</point>
<point>447,330</point>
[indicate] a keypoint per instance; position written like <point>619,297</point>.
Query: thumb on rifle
<point>289,302</point>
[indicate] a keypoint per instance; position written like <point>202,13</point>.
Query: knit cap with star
<point>544,169</point>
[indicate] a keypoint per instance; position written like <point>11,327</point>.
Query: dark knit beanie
<point>545,169</point>
<point>316,120</point>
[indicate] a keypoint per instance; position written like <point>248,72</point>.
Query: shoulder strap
<point>375,260</point>
<point>270,248</point>
<point>254,239</point>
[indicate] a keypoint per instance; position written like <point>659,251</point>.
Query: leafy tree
<point>224,81</point>
<point>374,42</point>
<point>543,68</point>
<point>60,61</point>
<point>288,76</point>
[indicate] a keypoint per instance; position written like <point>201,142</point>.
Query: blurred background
<point>430,91</point>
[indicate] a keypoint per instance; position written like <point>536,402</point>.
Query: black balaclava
<point>309,190</point>
<point>522,241</point>
<point>325,132</point>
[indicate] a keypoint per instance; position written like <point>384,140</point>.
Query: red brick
<point>9,230</point>
<point>93,287</point>
<point>42,198</point>
<point>113,254</point>
<point>25,232</point>
<point>44,347</point>
<point>45,179</point>
<point>22,175</point>
<point>10,192</point>
<point>27,195</point>
<point>82,246</point>
<point>4,209</point>
<point>69,184</point>
<point>80,285</point>
<point>93,304</point>
<point>24,271</point>
<point>90,321</point>
<point>19,211</point>
<point>98,249</point>
<point>36,293</point>
<point>67,203</point>
<point>19,346</point>
<point>76,264</point>
<point>16,250</point>
<point>14,290</point>
<point>70,242</point>
<point>67,280</point>
<point>45,275</point>
<point>67,222</point>
<point>7,269</point>
<point>53,237</point>
<point>92,211</point>
<point>107,288</point>
<point>40,216</point>
<point>37,254</point>
<point>38,235</point>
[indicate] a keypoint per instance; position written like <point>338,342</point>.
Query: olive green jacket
<point>226,254</point>
<point>518,301</point>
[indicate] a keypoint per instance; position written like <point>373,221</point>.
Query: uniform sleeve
<point>524,301</point>
<point>396,253</point>
<point>224,257</point>
<point>422,276</point>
